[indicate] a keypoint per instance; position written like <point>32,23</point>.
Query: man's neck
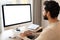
<point>53,20</point>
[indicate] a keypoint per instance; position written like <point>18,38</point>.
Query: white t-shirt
<point>51,32</point>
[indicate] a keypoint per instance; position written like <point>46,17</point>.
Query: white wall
<point>0,17</point>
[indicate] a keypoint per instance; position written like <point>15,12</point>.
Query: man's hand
<point>26,33</point>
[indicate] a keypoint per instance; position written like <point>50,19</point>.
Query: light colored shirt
<point>51,32</point>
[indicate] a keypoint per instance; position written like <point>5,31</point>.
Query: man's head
<point>51,10</point>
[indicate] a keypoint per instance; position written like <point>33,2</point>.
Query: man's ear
<point>48,14</point>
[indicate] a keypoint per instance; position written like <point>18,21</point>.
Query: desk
<point>8,33</point>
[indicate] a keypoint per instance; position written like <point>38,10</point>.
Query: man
<point>52,31</point>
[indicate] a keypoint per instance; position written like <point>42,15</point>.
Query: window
<point>24,1</point>
<point>8,1</point>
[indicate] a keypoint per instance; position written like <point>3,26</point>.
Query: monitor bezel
<point>15,23</point>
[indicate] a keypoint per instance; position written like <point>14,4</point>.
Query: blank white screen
<point>16,14</point>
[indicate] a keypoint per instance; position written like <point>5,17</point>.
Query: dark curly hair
<point>53,7</point>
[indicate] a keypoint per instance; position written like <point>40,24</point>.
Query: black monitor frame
<point>16,23</point>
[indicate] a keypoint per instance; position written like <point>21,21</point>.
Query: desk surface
<point>9,33</point>
<point>6,34</point>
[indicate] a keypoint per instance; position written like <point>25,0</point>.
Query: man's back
<point>56,30</point>
<point>52,32</point>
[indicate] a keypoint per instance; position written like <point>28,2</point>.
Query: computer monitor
<point>14,14</point>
